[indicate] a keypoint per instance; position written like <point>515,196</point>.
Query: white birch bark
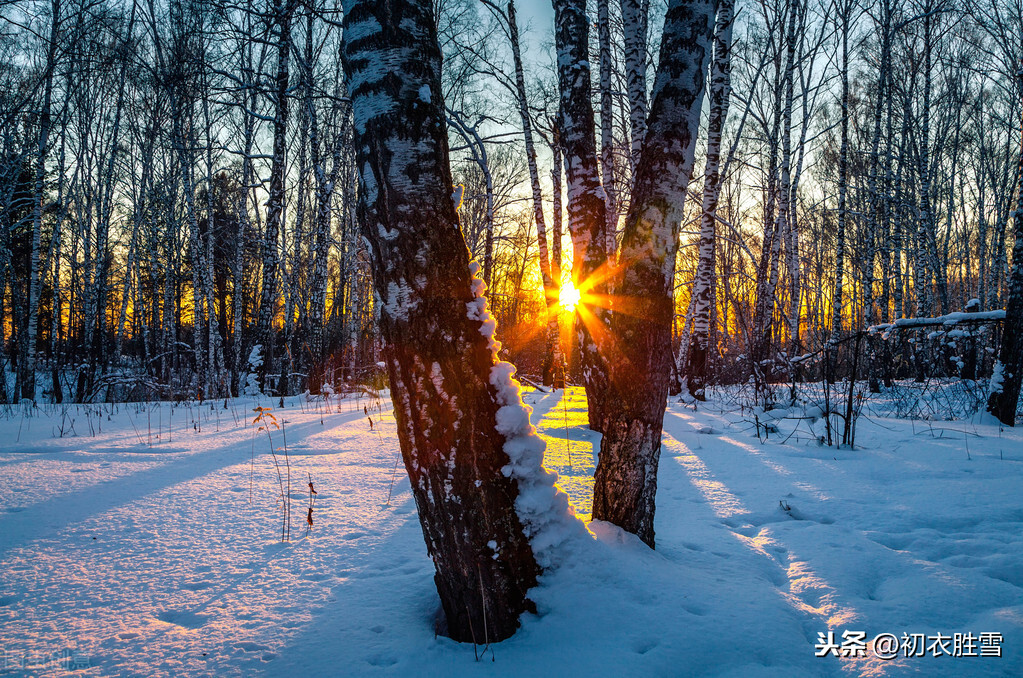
<point>703,294</point>
<point>635,17</point>
<point>553,373</point>
<point>28,365</point>
<point>607,163</point>
<point>625,481</point>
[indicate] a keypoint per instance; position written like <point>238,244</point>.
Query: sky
<point>538,12</point>
<point>536,22</point>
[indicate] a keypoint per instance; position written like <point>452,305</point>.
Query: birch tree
<point>1004,23</point>
<point>635,17</point>
<point>465,436</point>
<point>703,294</point>
<point>28,364</point>
<point>587,206</point>
<point>281,21</point>
<point>625,481</point>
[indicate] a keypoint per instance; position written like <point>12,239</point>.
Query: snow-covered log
<point>947,320</point>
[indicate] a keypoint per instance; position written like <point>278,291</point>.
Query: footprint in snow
<point>198,585</point>
<point>381,660</point>
<point>182,618</point>
<point>643,645</point>
<point>249,646</point>
<point>318,576</point>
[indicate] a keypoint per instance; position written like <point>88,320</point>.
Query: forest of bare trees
<point>179,191</point>
<point>201,200</point>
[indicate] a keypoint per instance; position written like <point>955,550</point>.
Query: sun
<point>569,297</point>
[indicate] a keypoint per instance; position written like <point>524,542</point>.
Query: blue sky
<point>538,16</point>
<point>539,12</point>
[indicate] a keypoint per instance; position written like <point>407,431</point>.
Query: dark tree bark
<point>275,200</point>
<point>635,15</point>
<point>625,482</point>
<point>1009,368</point>
<point>461,424</point>
<point>587,209</point>
<point>550,272</point>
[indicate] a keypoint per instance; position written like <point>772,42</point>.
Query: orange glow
<point>569,297</point>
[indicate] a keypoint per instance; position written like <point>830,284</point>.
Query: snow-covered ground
<point>145,540</point>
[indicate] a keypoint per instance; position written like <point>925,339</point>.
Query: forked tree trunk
<point>461,422</point>
<point>625,482</point>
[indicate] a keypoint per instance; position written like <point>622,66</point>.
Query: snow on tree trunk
<point>703,287</point>
<point>587,209</point>
<point>1009,368</point>
<point>488,509</point>
<point>625,481</point>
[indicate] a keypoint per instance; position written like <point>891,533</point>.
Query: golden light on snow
<point>570,296</point>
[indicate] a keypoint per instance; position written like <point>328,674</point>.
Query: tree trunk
<point>28,361</point>
<point>843,183</point>
<point>607,158</point>
<point>635,17</point>
<point>587,209</point>
<point>550,272</point>
<point>1005,384</point>
<point>703,287</point>
<point>465,436</point>
<point>625,482</point>
<point>275,200</point>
